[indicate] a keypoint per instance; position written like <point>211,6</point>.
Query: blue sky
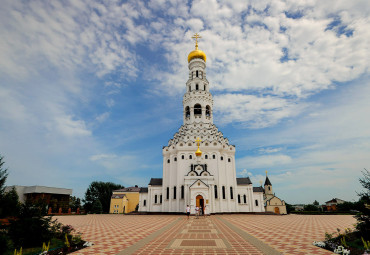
<point>93,90</point>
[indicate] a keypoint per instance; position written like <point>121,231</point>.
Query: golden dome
<point>198,153</point>
<point>197,54</point>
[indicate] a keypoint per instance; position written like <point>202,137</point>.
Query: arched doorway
<point>200,203</point>
<point>277,210</point>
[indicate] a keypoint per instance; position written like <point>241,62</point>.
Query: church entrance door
<point>200,202</point>
<point>277,210</point>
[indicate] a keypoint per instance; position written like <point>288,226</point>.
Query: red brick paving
<point>291,234</point>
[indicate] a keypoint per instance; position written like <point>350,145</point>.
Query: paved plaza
<point>216,234</point>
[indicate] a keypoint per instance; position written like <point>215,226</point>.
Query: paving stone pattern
<point>216,234</point>
<point>292,234</point>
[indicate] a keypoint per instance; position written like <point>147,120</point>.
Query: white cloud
<point>98,157</point>
<point>102,117</point>
<point>256,112</point>
<point>69,127</point>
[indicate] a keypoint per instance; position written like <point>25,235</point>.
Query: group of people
<point>199,211</point>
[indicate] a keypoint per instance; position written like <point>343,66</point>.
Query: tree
<point>10,204</point>
<point>97,207</point>
<point>363,217</point>
<point>316,203</point>
<point>311,208</point>
<point>74,203</point>
<point>32,226</point>
<point>289,208</point>
<point>101,191</point>
<point>3,176</point>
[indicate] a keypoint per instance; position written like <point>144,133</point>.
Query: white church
<point>199,162</point>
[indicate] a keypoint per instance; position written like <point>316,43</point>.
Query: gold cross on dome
<point>198,141</point>
<point>266,172</point>
<point>196,36</point>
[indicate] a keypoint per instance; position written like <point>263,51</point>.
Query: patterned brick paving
<point>291,234</point>
<point>113,233</point>
<point>220,234</point>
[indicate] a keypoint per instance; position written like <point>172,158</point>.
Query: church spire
<point>197,101</point>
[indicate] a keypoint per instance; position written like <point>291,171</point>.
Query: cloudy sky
<point>92,90</point>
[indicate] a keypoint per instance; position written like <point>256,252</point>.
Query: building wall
<point>130,205</point>
<point>274,203</point>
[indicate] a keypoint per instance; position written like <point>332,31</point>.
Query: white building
<point>200,172</point>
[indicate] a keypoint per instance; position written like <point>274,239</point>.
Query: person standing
<point>205,211</point>
<point>196,212</point>
<point>188,211</point>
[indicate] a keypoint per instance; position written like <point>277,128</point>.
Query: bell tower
<point>197,100</point>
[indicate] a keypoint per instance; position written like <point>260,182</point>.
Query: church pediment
<point>198,170</point>
<point>198,184</point>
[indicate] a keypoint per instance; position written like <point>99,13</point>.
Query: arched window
<point>190,157</point>
<point>216,194</point>
<point>214,156</point>
<point>182,192</point>
<point>197,109</point>
<point>231,193</point>
<point>223,192</point>
<point>160,199</point>
<point>196,87</point>
<point>155,199</point>
<point>239,198</point>
<point>168,193</point>
<point>174,192</point>
<point>204,87</point>
<point>196,73</point>
<point>168,161</point>
<point>208,111</point>
<point>144,202</point>
<point>175,159</point>
<point>222,158</point>
<point>229,159</point>
<point>245,199</point>
<point>256,202</point>
<point>187,111</point>
<point>206,156</point>
<point>182,157</point>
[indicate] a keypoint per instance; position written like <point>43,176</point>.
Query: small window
<point>229,160</point>
<point>256,202</point>
<point>155,199</point>
<point>214,156</point>
<point>168,193</point>
<point>245,199</point>
<point>196,87</point>
<point>182,157</point>
<point>182,192</point>
<point>224,192</point>
<point>231,193</point>
<point>174,192</point>
<point>168,161</point>
<point>216,194</point>
<point>239,198</point>
<point>222,158</point>
<point>269,188</point>
<point>175,159</point>
<point>196,73</point>
<point>160,199</point>
<point>190,157</point>
<point>206,156</point>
